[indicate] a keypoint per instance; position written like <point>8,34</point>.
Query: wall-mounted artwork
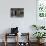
<point>17,12</point>
<point>41,12</point>
<point>41,8</point>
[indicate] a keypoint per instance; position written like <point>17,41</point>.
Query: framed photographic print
<point>17,12</point>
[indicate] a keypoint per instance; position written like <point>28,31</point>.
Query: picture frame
<point>17,12</point>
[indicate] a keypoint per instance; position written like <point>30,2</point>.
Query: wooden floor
<point>13,44</point>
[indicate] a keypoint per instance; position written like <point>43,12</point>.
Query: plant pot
<point>40,41</point>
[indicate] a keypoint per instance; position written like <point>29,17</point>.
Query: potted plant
<point>39,35</point>
<point>38,27</point>
<point>42,27</point>
<point>35,26</point>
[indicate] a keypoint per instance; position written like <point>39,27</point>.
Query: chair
<point>7,34</point>
<point>25,43</point>
<point>14,32</point>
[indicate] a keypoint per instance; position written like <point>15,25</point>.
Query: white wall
<point>23,23</point>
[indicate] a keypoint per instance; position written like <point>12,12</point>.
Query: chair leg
<point>5,43</point>
<point>17,39</point>
<point>5,40</point>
